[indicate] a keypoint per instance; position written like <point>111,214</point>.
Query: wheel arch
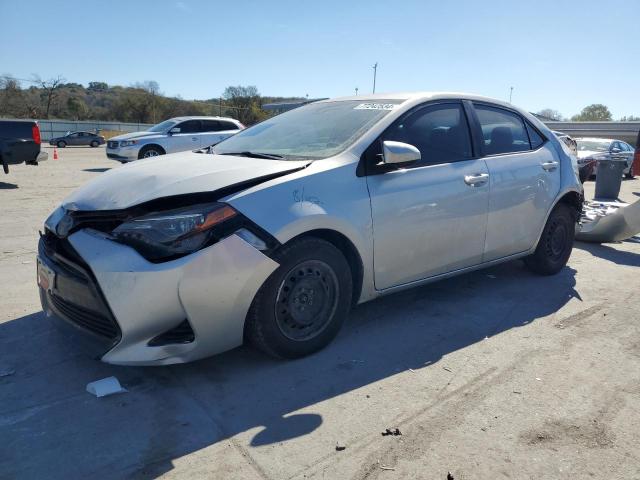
<point>572,198</point>
<point>347,248</point>
<point>151,145</point>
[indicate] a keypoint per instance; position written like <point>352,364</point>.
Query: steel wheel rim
<point>307,300</point>
<point>558,241</point>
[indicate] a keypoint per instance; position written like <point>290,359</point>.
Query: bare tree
<point>11,97</point>
<point>50,90</point>
<point>550,114</point>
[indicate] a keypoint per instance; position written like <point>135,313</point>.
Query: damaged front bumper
<point>603,222</point>
<point>165,313</point>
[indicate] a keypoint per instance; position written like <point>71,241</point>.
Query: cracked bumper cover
<point>212,288</point>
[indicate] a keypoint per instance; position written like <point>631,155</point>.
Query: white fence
<point>56,128</point>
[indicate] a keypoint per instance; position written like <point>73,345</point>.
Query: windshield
<point>314,131</point>
<point>593,145</point>
<point>163,126</point>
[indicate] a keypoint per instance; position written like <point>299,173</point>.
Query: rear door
<point>187,139</point>
<point>430,217</point>
<point>524,171</point>
<point>210,132</point>
<point>214,131</point>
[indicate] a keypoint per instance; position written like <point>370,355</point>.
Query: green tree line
<point>143,102</point>
<point>595,112</point>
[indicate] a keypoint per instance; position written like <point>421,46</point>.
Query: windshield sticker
<point>375,106</point>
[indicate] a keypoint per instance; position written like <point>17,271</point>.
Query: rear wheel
<point>302,305</point>
<point>62,144</point>
<point>556,242</point>
<point>629,175</point>
<point>150,151</point>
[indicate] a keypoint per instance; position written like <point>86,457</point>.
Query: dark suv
<point>20,143</point>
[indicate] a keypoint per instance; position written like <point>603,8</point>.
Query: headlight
<point>128,143</point>
<point>173,233</point>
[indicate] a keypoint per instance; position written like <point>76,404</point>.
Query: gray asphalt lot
<point>494,374</point>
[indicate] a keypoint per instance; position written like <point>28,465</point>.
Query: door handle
<point>194,138</point>
<point>476,180</point>
<point>550,166</point>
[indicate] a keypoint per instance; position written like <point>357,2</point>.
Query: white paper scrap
<point>104,387</point>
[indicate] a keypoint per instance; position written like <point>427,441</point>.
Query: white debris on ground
<point>104,387</point>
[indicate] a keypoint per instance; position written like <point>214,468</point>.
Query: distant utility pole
<point>375,71</point>
<point>356,91</point>
<point>510,94</point>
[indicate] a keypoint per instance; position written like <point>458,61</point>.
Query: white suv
<point>174,135</point>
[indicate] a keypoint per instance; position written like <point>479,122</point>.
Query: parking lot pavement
<point>497,373</point>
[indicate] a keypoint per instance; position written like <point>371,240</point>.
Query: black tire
<point>556,242</point>
<point>62,144</point>
<point>94,144</point>
<point>277,323</point>
<point>150,151</point>
<point>629,175</point>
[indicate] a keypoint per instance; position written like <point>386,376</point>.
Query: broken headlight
<point>170,234</point>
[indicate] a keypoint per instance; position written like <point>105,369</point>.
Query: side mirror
<point>615,150</point>
<point>174,130</point>
<point>398,152</point>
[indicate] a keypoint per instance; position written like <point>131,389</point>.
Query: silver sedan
<point>277,232</point>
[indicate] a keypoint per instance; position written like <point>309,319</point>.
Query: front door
<point>187,139</point>
<point>430,217</point>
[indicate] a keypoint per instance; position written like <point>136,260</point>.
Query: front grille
<point>85,318</point>
<point>112,144</point>
<point>76,296</point>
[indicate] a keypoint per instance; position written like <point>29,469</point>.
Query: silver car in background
<point>595,149</point>
<point>174,135</point>
<point>277,232</point>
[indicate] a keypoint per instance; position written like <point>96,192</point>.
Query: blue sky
<point>557,54</point>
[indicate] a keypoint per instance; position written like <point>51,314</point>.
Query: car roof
<point>420,96</point>
<point>182,119</point>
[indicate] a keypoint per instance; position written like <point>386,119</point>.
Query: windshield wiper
<point>268,156</point>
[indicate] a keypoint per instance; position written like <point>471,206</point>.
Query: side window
<point>440,132</point>
<point>535,138</point>
<point>190,126</point>
<point>227,125</point>
<point>210,126</point>
<point>502,131</point>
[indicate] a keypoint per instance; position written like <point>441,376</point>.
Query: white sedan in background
<point>174,135</point>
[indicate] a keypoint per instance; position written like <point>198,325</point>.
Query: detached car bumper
<point>134,312</point>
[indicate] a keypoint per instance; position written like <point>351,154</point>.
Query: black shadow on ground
<point>50,427</point>
<point>95,170</point>
<point>610,253</point>
<point>8,186</point>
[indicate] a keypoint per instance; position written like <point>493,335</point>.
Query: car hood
<point>169,175</point>
<point>129,136</point>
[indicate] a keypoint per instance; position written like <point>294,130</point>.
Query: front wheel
<point>94,144</point>
<point>150,151</point>
<point>556,242</point>
<point>302,305</point>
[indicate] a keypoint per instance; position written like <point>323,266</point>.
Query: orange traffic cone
<point>55,153</point>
